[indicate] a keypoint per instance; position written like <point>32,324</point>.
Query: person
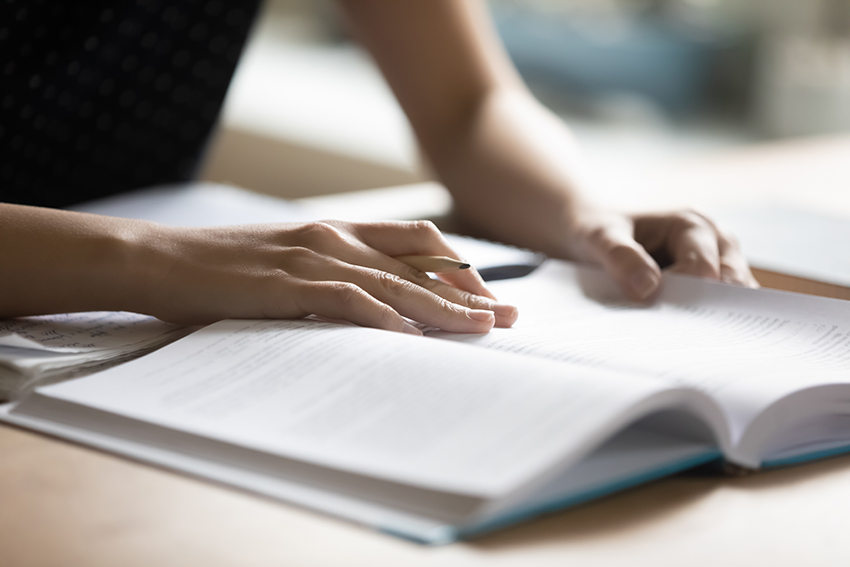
<point>101,97</point>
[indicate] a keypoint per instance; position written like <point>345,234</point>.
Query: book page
<point>746,348</point>
<point>394,406</point>
<point>197,204</point>
<point>82,332</point>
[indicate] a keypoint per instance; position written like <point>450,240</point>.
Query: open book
<point>449,436</point>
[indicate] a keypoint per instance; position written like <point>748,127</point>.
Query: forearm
<point>57,261</point>
<point>514,171</point>
<point>510,164</point>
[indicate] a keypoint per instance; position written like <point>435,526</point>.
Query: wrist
<point>58,261</point>
<point>136,259</point>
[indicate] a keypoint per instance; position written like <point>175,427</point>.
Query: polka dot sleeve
<point>99,97</point>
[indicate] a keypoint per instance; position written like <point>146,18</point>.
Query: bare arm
<point>54,262</point>
<point>58,261</point>
<point>511,165</point>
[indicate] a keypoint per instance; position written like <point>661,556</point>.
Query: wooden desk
<point>71,506</point>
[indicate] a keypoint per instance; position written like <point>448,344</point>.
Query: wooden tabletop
<point>69,506</point>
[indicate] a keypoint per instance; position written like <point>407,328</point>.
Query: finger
<point>733,265</point>
<point>404,297</point>
<point>631,266</point>
<point>357,253</point>
<point>693,244</point>
<point>424,306</point>
<point>696,255</point>
<point>506,315</point>
<point>345,301</point>
<point>419,237</point>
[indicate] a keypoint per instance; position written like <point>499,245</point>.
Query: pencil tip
<point>464,267</point>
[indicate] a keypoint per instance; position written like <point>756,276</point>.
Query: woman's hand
<point>633,247</point>
<point>58,261</point>
<point>332,269</point>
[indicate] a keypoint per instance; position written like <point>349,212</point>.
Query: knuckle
<point>455,309</point>
<point>425,226</point>
<point>471,300</point>
<point>346,294</point>
<point>425,229</point>
<point>392,284</point>
<point>595,234</point>
<point>442,305</point>
<point>607,237</point>
<point>274,278</point>
<point>417,277</point>
<point>383,226</point>
<point>387,317</point>
<point>424,281</point>
<point>620,251</point>
<point>318,233</point>
<point>700,265</point>
<point>296,255</point>
<point>594,240</point>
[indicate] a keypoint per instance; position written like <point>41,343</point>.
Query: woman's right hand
<point>332,269</point>
<point>58,261</point>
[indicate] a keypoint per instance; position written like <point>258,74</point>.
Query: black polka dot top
<point>103,96</point>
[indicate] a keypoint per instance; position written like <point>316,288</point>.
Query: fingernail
<point>480,315</point>
<point>410,329</point>
<point>644,283</point>
<point>505,311</point>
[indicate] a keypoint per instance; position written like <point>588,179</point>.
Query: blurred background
<point>643,83</point>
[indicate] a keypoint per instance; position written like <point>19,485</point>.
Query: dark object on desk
<point>495,273</point>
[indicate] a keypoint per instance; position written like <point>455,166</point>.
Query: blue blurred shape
<point>647,57</point>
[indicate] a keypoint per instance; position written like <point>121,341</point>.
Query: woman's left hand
<point>634,247</point>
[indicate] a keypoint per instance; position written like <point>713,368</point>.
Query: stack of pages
<point>41,350</point>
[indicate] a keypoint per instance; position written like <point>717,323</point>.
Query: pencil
<point>439,264</point>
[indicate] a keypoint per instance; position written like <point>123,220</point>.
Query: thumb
<point>628,262</point>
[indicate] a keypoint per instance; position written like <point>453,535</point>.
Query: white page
<point>82,332</point>
<point>413,409</point>
<point>197,204</point>
<point>746,348</point>
<point>48,348</point>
